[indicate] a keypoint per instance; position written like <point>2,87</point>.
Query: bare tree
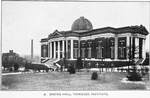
<point>132,56</point>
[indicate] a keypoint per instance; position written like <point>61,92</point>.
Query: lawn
<point>63,81</point>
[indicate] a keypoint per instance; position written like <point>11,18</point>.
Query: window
<point>69,49</point>
<point>44,51</point>
<point>89,52</point>
<point>112,49</point>
<point>122,52</point>
<point>99,51</point>
<point>69,53</point>
<point>75,52</point>
<point>122,47</point>
<point>83,52</point>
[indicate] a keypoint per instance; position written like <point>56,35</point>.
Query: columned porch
<point>58,49</point>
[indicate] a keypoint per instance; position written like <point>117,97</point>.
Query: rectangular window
<point>112,52</point>
<point>75,52</point>
<point>69,54</point>
<point>112,47</point>
<point>69,49</point>
<point>83,52</point>
<point>89,52</point>
<point>99,52</point>
<point>122,48</point>
<point>122,51</point>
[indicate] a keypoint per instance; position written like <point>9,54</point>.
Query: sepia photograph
<point>75,46</point>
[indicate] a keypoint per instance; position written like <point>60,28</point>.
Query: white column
<point>67,49</point>
<point>50,49</point>
<point>116,48</point>
<point>71,48</point>
<point>131,46</point>
<point>128,46</point>
<point>58,49</point>
<point>54,50</point>
<point>63,48</point>
<point>137,47</point>
<point>143,49</point>
<point>136,41</point>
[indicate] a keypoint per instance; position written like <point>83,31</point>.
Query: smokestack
<point>32,49</point>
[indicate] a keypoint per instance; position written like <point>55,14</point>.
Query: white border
<point>40,94</point>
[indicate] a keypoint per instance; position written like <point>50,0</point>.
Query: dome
<point>81,24</point>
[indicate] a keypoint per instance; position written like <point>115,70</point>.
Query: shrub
<point>46,70</point>
<point>10,69</point>
<point>94,76</point>
<point>68,69</point>
<point>143,73</point>
<point>71,70</point>
<point>134,76</point>
<point>79,64</point>
<point>146,69</point>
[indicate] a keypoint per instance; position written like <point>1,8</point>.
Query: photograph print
<point>75,46</point>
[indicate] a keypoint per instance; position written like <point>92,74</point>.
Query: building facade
<point>97,47</point>
<point>8,59</point>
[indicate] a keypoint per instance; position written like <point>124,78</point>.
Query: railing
<point>45,60</point>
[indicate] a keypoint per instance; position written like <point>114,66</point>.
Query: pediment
<point>55,34</point>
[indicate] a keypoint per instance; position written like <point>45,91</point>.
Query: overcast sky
<point>23,21</point>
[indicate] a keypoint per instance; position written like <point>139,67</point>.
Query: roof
<point>6,55</point>
<point>44,40</point>
<point>132,29</point>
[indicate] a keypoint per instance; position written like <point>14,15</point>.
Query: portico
<point>57,49</point>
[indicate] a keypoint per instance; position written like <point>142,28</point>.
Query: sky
<point>26,20</point>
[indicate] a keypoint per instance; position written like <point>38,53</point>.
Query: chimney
<point>32,49</point>
<point>10,51</point>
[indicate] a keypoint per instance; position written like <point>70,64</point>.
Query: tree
<point>79,64</point>
<point>133,57</point>
<point>16,66</point>
<point>132,51</point>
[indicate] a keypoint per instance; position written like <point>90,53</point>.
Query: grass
<point>61,81</point>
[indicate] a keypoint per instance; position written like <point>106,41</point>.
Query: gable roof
<point>128,29</point>
<point>56,33</point>
<point>132,29</point>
